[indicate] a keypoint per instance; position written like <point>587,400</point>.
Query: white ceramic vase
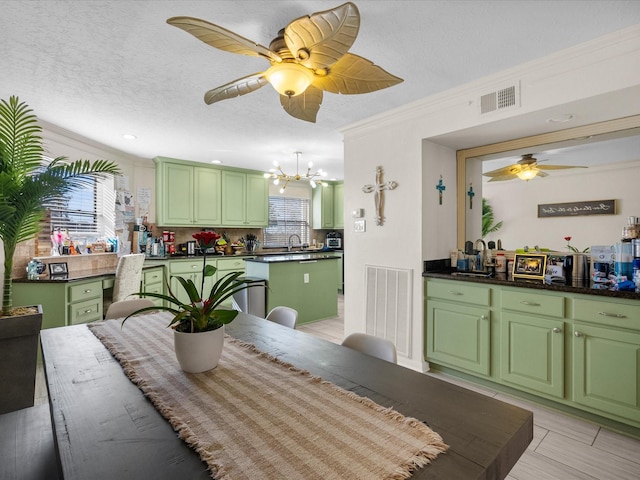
<point>199,352</point>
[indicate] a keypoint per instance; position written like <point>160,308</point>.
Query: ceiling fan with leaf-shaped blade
<point>309,56</point>
<point>526,168</point>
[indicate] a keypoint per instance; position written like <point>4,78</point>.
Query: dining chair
<point>125,307</point>
<point>128,276</point>
<point>284,316</point>
<point>373,346</point>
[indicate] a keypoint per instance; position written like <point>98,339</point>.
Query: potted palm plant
<point>28,181</point>
<point>198,325</point>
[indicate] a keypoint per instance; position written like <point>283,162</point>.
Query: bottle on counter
<point>501,262</point>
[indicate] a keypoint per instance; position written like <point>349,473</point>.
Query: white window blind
<point>76,212</point>
<point>287,216</point>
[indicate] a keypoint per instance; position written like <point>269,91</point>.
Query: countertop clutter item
<point>333,240</point>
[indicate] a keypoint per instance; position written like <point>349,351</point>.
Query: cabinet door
<point>323,207</point>
<point>606,370</point>
<point>257,201</point>
<point>532,353</point>
<point>207,197</point>
<point>338,205</point>
<point>458,336</point>
<point>233,198</point>
<point>175,196</point>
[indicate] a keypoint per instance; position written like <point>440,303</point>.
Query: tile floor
<point>563,447</point>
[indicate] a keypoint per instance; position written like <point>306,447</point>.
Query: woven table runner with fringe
<point>255,417</point>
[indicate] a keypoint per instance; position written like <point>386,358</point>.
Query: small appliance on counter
<point>333,240</point>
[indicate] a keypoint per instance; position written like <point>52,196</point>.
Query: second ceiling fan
<point>309,56</point>
<point>526,168</point>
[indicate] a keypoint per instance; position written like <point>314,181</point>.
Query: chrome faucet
<point>290,245</point>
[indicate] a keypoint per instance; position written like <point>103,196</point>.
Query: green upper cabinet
<point>191,195</point>
<point>338,205</point>
<point>328,206</point>
<point>245,199</point>
<point>187,195</point>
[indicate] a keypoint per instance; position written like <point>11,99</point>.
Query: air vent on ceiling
<point>508,97</point>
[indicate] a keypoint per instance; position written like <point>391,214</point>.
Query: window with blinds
<point>287,216</point>
<point>77,211</point>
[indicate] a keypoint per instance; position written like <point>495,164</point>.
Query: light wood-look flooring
<point>563,447</point>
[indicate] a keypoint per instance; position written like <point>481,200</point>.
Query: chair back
<point>284,316</point>
<point>373,346</point>
<point>128,276</point>
<point>125,307</point>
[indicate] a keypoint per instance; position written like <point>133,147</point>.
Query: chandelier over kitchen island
<point>278,175</point>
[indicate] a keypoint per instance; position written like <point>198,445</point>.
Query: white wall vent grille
<point>388,305</point>
<point>508,97</point>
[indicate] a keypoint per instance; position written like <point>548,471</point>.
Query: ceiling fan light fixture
<point>527,174</point>
<point>289,79</point>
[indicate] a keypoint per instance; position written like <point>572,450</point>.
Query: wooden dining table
<point>105,428</point>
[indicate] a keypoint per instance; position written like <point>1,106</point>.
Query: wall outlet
<point>306,278</point>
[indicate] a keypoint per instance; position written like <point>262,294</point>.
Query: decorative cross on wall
<point>471,194</point>
<point>441,188</point>
<point>378,194</point>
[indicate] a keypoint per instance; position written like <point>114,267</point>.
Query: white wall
<point>395,141</point>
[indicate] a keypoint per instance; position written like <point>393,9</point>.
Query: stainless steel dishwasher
<point>251,300</point>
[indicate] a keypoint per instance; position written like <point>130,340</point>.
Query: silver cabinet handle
<point>483,317</point>
<point>87,311</point>
<point>88,291</point>
<point>195,266</point>
<point>309,261</point>
<point>578,334</point>
<point>455,293</point>
<point>531,304</point>
<point>614,315</point>
<point>556,330</point>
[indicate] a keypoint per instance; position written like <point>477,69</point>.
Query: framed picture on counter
<point>529,265</point>
<point>58,269</point>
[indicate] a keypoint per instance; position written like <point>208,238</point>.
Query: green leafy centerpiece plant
<point>29,180</point>
<point>201,314</point>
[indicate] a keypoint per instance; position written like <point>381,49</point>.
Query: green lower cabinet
<point>153,282</point>
<point>532,353</point>
<point>459,336</point>
<point>606,370</point>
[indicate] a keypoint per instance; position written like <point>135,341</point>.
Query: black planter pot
<point>18,360</point>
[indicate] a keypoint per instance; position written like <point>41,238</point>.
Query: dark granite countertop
<point>76,275</point>
<point>587,287</point>
<point>292,257</point>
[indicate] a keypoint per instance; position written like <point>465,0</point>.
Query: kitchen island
<point>303,281</point>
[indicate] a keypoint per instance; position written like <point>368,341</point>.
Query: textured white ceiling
<point>105,68</point>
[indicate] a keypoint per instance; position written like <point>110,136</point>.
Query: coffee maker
<point>333,240</point>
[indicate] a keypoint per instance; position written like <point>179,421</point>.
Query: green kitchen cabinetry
<point>338,205</point>
<point>458,327</point>
<point>577,350</point>
<point>228,265</point>
<point>63,303</point>
<point>532,352</point>
<point>309,286</point>
<point>189,269</point>
<point>245,200</point>
<point>153,282</point>
<point>605,362</point>
<point>187,195</point>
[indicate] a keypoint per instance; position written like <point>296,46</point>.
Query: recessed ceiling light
<point>216,161</point>
<point>561,118</point>
<point>128,136</point>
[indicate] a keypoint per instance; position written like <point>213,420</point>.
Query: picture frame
<point>530,266</point>
<point>58,269</point>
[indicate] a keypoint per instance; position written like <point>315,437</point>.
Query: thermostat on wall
<point>358,213</point>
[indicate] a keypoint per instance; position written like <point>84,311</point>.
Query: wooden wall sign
<point>575,209</point>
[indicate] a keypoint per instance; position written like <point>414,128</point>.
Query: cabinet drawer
<point>189,266</point>
<point>152,276</point>
<point>528,302</point>
<point>613,313</point>
<point>235,264</point>
<point>460,292</point>
<point>86,311</point>
<point>84,291</point>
